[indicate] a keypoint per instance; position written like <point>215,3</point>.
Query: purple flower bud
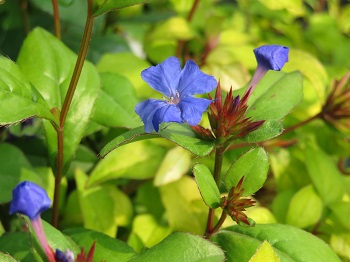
<point>29,199</point>
<point>271,57</point>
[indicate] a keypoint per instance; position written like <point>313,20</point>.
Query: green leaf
<point>182,135</point>
<point>20,246</point>
<point>147,229</point>
<point>288,242</point>
<point>103,6</point>
<point>103,207</point>
<point>269,130</point>
<point>265,253</point>
<point>49,65</point>
<point>14,168</point>
<point>184,207</point>
<point>107,248</point>
<point>275,96</point>
<point>116,102</point>
<point>254,166</point>
<point>341,244</point>
<point>305,208</point>
<point>140,160</point>
<point>128,65</point>
<point>6,258</point>
<point>19,99</point>
<point>182,247</point>
<point>207,186</point>
<point>324,174</point>
<point>175,164</point>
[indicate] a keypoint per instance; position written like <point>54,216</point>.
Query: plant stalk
<point>219,157</point>
<point>56,19</point>
<point>65,108</point>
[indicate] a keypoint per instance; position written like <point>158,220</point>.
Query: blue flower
<point>178,86</point>
<point>271,57</point>
<point>29,199</point>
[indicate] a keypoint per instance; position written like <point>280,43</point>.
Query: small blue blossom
<point>271,57</point>
<point>67,256</point>
<point>268,57</point>
<point>29,199</point>
<point>178,86</point>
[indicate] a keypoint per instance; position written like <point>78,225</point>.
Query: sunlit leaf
<point>265,253</point>
<point>102,6</point>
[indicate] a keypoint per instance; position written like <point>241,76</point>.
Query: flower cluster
<point>336,110</point>
<point>234,205</point>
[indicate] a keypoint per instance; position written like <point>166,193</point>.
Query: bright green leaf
<point>175,164</point>
<point>207,186</point>
<point>184,206</point>
<point>275,96</point>
<point>103,207</point>
<point>182,135</point>
<point>324,174</point>
<point>107,248</point>
<point>6,258</point>
<point>341,244</point>
<point>116,102</point>
<point>254,166</point>
<point>14,168</point>
<point>49,64</point>
<point>182,247</point>
<point>19,99</point>
<point>138,161</point>
<point>305,208</point>
<point>288,242</point>
<point>103,6</point>
<point>149,230</point>
<point>265,253</point>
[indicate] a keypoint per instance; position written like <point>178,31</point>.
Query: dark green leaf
<point>182,247</point>
<point>269,130</point>
<point>49,64</point>
<point>102,6</point>
<point>254,166</point>
<point>107,248</point>
<point>116,102</point>
<point>289,243</point>
<point>182,135</point>
<point>207,186</point>
<point>19,99</point>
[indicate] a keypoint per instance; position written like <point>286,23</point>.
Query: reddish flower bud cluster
<point>228,119</point>
<point>336,110</point>
<point>234,205</point>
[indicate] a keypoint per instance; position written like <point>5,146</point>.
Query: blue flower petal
<point>192,109</point>
<point>271,57</point>
<point>164,77</point>
<point>29,199</point>
<point>193,81</point>
<point>146,110</point>
<point>170,113</point>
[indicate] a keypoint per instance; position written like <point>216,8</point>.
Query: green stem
<point>56,19</point>
<point>220,222</point>
<point>291,128</point>
<point>219,157</point>
<point>65,108</point>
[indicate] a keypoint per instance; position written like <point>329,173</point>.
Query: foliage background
<point>143,191</point>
